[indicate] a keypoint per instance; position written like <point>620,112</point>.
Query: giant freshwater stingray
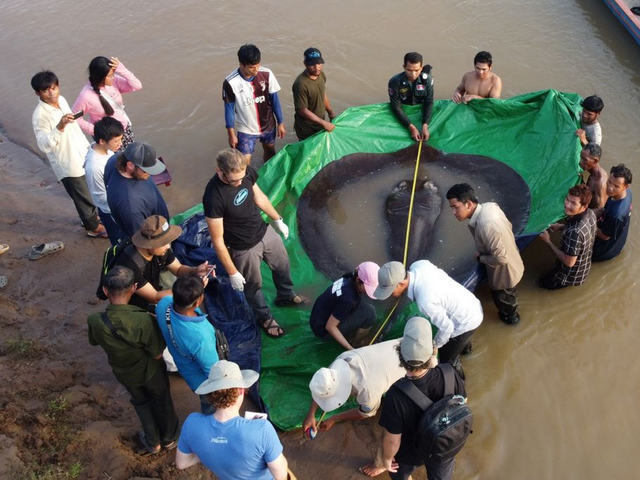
<point>356,209</point>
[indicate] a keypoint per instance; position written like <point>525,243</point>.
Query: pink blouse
<point>88,100</point>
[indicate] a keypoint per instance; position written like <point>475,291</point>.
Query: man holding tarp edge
<point>413,86</point>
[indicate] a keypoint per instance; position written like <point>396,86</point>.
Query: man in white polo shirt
<point>365,373</point>
<point>453,309</point>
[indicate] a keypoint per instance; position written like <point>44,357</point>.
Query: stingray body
<point>355,209</point>
<point>427,204</point>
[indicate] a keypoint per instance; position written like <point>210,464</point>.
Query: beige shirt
<point>373,370</point>
<point>65,150</point>
<point>496,243</point>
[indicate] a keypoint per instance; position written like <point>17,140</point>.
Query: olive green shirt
<point>135,364</point>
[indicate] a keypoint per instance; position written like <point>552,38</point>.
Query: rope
<point>406,242</point>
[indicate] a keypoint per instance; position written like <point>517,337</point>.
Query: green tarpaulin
<point>532,133</point>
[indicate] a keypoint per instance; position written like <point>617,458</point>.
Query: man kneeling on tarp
<point>339,311</point>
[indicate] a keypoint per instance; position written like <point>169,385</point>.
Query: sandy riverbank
<point>62,413</point>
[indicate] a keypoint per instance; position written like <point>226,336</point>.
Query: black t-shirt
<point>339,300</point>
<point>150,273</point>
<point>241,219</point>
<point>400,415</point>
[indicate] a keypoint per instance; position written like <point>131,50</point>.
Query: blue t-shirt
<point>131,201</point>
<point>238,449</point>
<point>196,339</point>
<point>339,300</point>
<point>614,223</point>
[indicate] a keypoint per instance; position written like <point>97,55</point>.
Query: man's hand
<point>425,132</point>
<point>328,126</point>
<point>556,227</point>
<point>391,465</point>
<point>414,132</point>
<point>545,237</point>
<point>281,227</point>
<point>582,135</point>
<point>237,281</point>
<point>233,139</point>
<point>64,121</point>
<point>327,424</point>
<point>281,130</point>
<point>309,423</point>
<point>457,97</point>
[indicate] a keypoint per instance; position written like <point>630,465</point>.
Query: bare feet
<point>371,471</point>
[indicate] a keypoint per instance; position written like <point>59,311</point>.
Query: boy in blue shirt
<point>190,338</point>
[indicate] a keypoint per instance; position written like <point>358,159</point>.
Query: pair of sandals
<point>270,326</point>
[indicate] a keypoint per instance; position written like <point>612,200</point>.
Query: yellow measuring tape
<point>406,252</point>
<point>406,242</point>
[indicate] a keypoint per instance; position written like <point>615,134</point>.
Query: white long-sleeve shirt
<point>65,150</point>
<point>450,307</point>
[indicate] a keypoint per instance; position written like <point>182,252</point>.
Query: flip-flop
<point>98,233</point>
<point>44,249</point>
<point>3,248</point>
<point>3,281</point>
<point>294,301</point>
<point>270,324</point>
<point>148,449</point>
<point>170,446</point>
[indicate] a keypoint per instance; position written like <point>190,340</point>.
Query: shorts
<point>247,142</point>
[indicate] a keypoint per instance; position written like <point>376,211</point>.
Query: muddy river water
<point>554,397</point>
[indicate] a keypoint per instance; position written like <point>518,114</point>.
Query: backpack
<point>109,261</point>
<point>444,426</point>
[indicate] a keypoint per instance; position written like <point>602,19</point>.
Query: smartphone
<point>212,268</point>
<point>77,115</point>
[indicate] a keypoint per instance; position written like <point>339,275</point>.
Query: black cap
<point>143,155</point>
<point>312,56</point>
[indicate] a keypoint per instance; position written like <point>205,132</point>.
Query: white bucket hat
<point>224,374</point>
<point>331,387</point>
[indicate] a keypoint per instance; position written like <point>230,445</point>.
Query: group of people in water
<point>111,184</point>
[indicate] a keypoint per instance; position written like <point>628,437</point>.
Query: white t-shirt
<point>94,170</point>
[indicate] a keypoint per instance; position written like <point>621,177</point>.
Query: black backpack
<point>109,261</point>
<point>444,425</point>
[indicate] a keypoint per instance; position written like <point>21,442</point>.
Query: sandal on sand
<point>99,232</point>
<point>3,248</point>
<point>270,324</point>
<point>3,281</point>
<point>294,301</point>
<point>148,449</point>
<point>44,249</point>
<point>170,446</point>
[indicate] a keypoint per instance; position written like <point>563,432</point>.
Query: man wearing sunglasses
<point>242,240</point>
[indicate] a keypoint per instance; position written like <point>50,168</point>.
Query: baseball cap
<point>155,232</point>
<point>225,374</point>
<point>389,276</point>
<point>417,343</point>
<point>331,387</point>
<point>368,273</point>
<point>143,155</point>
<point>312,56</point>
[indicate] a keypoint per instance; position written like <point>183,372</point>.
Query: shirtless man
<point>479,83</point>
<point>597,182</point>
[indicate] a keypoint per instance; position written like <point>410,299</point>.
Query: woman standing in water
<point>102,95</point>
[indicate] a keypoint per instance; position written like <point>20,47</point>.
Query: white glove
<point>281,227</point>
<point>237,281</point>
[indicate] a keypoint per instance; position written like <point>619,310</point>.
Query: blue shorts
<point>247,142</point>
